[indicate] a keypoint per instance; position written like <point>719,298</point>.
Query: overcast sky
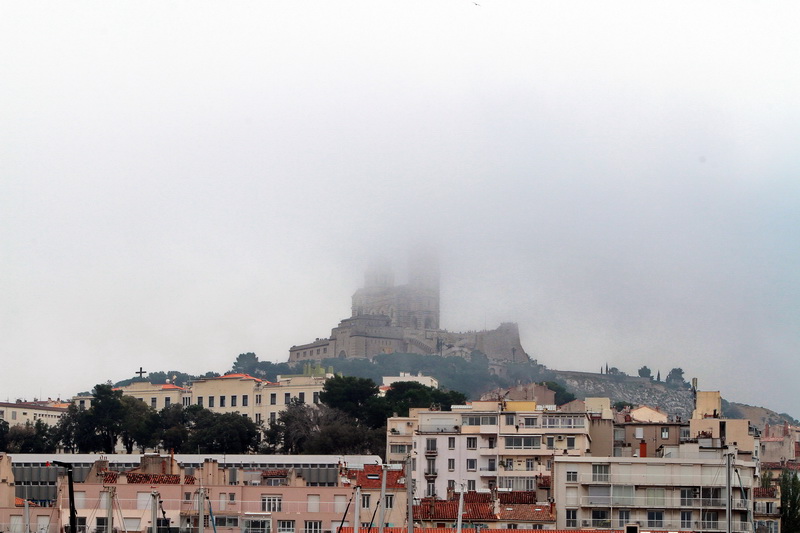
<point>181,182</point>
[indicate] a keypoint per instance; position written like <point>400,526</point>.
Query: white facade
<point>485,445</point>
<point>683,490</point>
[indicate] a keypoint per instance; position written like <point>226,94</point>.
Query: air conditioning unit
<point>560,437</point>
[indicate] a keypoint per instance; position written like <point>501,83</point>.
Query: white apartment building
<point>485,445</point>
<point>684,489</point>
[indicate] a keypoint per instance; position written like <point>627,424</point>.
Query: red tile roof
<point>765,492</point>
<point>448,510</point>
<point>275,473</point>
<point>238,376</point>
<point>152,479</point>
<point>526,513</point>
<point>517,496</point>
<point>370,477</point>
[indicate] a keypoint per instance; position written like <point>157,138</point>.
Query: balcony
<point>488,471</point>
<point>431,452</point>
<point>431,474</point>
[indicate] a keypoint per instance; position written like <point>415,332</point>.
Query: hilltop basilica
<point>389,318</point>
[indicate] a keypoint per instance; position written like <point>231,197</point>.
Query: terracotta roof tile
<point>765,492</point>
<point>370,477</point>
<point>526,512</point>
<point>517,496</point>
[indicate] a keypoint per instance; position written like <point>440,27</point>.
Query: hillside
<point>675,401</point>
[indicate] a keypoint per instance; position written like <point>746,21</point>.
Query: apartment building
<point>685,488</point>
<point>260,400</point>
<point>243,493</point>
<point>486,445</point>
<point>21,413</point>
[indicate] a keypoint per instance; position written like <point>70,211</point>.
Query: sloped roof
<point>524,512</point>
<point>765,492</point>
<point>370,477</point>
<point>448,510</point>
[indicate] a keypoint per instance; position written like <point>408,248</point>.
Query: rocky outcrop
<point>676,401</point>
<point>635,390</point>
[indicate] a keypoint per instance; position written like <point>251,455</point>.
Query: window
<point>710,520</point>
<point>622,495</point>
<point>313,526</point>
<point>451,484</point>
<point>258,418</point>
<point>510,420</point>
<point>550,443</point>
<point>222,401</point>
<point>600,518</point>
<point>430,445</point>
<point>530,463</point>
<point>431,466</point>
<point>271,504</point>
<point>285,526</point>
<point>665,433</point>
<point>233,400</point>
<point>623,517</point>
<point>687,497</point>
<point>655,497</point>
<point>316,397</point>
<point>570,443</point>
<point>451,464</point>
<point>430,490</point>
<point>257,526</point>
<point>287,397</point>
<point>301,396</point>
<point>471,485</point>
<point>492,442</point>
<point>451,443</point>
<point>389,501</point>
<point>153,402</point>
<point>509,464</point>
<point>523,443</point>
<point>531,421</point>
<point>312,501</point>
<point>210,402</point>
<point>600,473</point>
<point>655,518</point>
<point>399,448</point>
<point>244,400</point>
<point>365,501</point>
<point>220,521</point>
<point>475,420</point>
<point>258,399</point>
<point>472,443</point>
<point>273,398</point>
<point>572,476</point>
<point>273,417</point>
<point>472,464</point>
<point>167,401</point>
<point>686,519</point>
<point>102,524</point>
<point>572,517</point>
<point>200,401</point>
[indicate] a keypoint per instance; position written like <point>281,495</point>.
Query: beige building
<point>156,396</point>
<point>683,489</point>
<point>21,413</point>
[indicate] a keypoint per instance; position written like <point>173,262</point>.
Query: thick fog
<point>184,182</point>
